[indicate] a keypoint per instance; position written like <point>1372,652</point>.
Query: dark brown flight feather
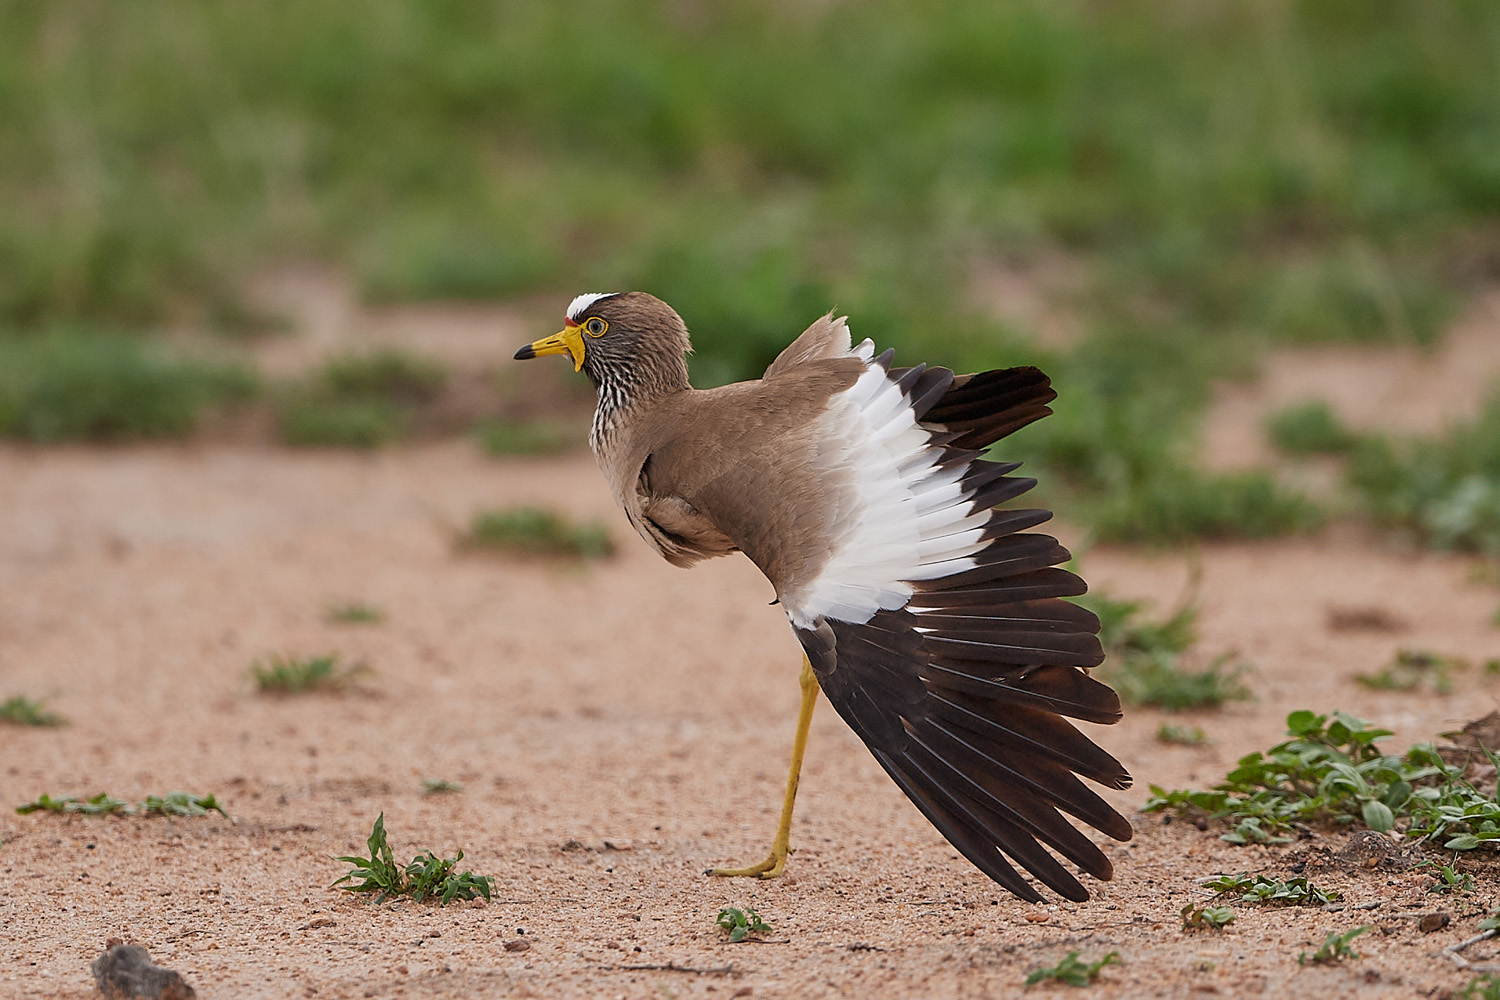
<point>983,748</point>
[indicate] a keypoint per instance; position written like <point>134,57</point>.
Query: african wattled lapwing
<point>931,618</point>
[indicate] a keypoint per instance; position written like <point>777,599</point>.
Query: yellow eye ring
<point>595,327</point>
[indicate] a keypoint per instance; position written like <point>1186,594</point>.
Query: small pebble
<point>1433,922</point>
<point>518,944</point>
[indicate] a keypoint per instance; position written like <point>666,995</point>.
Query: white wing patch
<point>577,306</point>
<point>910,520</point>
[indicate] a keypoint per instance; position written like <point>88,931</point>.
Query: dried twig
<point>722,970</point>
<point>1452,951</point>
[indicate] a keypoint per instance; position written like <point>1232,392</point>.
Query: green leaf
<point>1301,722</point>
<point>1378,816</point>
<point>1399,792</point>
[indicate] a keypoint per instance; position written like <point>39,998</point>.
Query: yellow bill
<point>568,340</point>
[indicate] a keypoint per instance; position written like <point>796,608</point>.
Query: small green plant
<point>378,873</point>
<point>426,877</point>
<point>96,805</point>
<point>181,804</point>
<point>1413,668</point>
<point>355,613</point>
<point>285,675</point>
<point>540,437</point>
<point>1335,948</point>
<point>21,711</point>
<point>1260,888</point>
<point>1145,658</point>
<point>1073,972</point>
<point>741,923</point>
<point>1205,917</point>
<point>1482,987</point>
<point>1188,736</point>
<point>440,786</point>
<point>1448,878</point>
<point>1310,428</point>
<point>171,804</point>
<point>1249,830</point>
<point>534,531</point>
<point>431,877</point>
<point>1332,772</point>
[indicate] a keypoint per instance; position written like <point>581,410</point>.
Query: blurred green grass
<point>536,437</point>
<point>1310,428</point>
<point>359,400</point>
<point>1295,170</point>
<point>537,531</point>
<point>1443,491</point>
<point>75,384</point>
<point>1224,176</point>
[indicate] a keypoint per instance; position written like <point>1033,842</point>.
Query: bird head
<point>630,339</point>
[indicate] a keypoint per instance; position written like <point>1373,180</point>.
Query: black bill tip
<point>525,353</point>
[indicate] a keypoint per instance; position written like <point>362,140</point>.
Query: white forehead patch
<point>577,307</point>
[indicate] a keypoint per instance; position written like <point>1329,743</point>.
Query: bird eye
<point>595,327</point>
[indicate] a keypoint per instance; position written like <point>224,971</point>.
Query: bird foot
<point>769,868</point>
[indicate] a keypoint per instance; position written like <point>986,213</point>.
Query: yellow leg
<point>773,866</point>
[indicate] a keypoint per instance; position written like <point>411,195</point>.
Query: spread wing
<point>963,692</point>
<point>935,622</point>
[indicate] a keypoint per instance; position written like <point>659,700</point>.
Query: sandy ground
<point>619,727</point>
<point>625,702</point>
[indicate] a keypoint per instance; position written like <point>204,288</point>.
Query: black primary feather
<point>963,696</point>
